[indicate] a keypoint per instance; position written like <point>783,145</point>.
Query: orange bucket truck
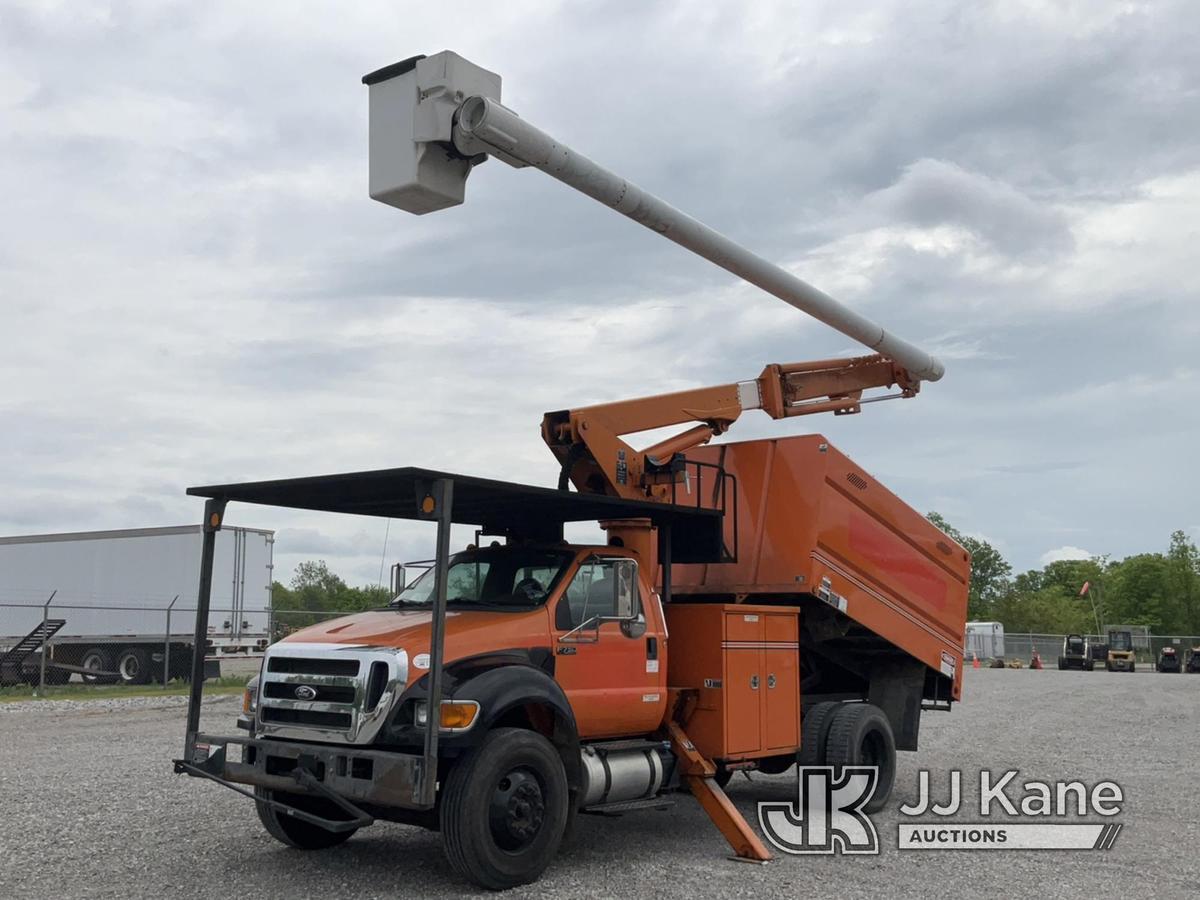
<point>753,605</point>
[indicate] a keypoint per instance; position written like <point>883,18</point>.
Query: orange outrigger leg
<point>699,773</point>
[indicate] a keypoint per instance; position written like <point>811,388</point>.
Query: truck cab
<point>578,628</point>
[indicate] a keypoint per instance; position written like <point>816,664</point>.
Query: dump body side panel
<point>811,521</point>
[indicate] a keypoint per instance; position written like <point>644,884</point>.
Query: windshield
<point>505,577</point>
<point>1120,640</point>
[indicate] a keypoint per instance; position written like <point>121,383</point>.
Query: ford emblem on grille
<point>304,692</point>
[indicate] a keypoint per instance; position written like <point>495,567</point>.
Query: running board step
<point>616,809</point>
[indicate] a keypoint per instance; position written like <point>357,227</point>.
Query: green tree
<point>1139,591</point>
<point>990,571</point>
<point>316,593</point>
<point>1182,610</point>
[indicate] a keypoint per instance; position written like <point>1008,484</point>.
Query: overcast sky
<point>195,287</point>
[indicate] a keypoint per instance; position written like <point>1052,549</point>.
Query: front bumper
<point>376,777</point>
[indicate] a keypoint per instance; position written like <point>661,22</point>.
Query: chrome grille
<point>335,693</point>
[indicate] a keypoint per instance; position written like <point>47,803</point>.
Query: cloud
<point>195,288</point>
<point>1059,554</point>
<point>933,192</point>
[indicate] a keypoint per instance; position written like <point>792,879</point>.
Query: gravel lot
<point>89,808</point>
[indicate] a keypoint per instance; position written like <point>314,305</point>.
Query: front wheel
<point>294,832</point>
<point>504,809</point>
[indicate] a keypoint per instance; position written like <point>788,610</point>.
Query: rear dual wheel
<point>133,665</point>
<point>851,734</point>
<point>99,665</point>
<point>862,736</point>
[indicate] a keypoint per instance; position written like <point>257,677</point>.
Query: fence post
<point>45,642</point>
<point>167,646</point>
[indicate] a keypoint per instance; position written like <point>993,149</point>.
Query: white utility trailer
<point>121,604</point>
<point>985,640</point>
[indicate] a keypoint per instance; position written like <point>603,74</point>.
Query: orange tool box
<point>745,663</point>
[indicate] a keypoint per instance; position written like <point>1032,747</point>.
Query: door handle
<point>754,682</point>
<point>651,648</point>
<point>771,680</point>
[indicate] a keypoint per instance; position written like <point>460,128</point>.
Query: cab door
<point>610,649</point>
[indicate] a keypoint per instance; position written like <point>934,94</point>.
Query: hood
<point>468,633</point>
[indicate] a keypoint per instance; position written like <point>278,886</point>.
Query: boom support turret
<point>589,442</point>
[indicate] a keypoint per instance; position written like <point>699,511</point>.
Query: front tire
<point>504,809</point>
<point>296,833</point>
<point>862,736</point>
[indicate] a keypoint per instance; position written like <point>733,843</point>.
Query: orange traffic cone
<point>974,660</point>
<point>1036,662</point>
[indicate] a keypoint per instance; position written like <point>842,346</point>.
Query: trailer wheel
<point>294,832</point>
<point>504,809</point>
<point>97,660</point>
<point>815,731</point>
<point>862,736</point>
<point>133,665</point>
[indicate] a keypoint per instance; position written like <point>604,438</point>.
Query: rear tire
<point>97,659</point>
<point>133,665</point>
<point>294,832</point>
<point>862,736</point>
<point>815,731</point>
<point>504,809</point>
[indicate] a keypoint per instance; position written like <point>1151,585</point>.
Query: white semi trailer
<point>120,605</point>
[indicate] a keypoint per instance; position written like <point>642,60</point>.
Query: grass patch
<point>228,684</point>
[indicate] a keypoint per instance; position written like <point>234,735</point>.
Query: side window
<point>593,592</point>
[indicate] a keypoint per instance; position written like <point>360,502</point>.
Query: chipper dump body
<point>815,529</point>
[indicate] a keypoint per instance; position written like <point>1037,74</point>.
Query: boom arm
<point>433,118</point>
<point>589,445</point>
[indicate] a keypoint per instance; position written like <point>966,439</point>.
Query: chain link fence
<point>66,645</point>
<point>1147,648</point>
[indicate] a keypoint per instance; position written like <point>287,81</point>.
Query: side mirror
<point>625,573</point>
<point>398,579</point>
